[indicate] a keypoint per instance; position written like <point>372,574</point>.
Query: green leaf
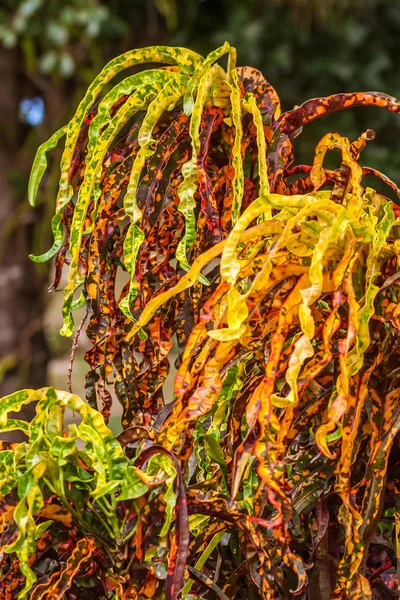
<point>188,187</point>
<point>237,162</point>
<point>214,451</point>
<point>187,61</point>
<point>40,164</point>
<point>132,485</point>
<point>24,546</point>
<point>188,103</point>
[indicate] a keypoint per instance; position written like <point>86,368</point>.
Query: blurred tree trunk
<point>23,349</point>
<point>24,352</point>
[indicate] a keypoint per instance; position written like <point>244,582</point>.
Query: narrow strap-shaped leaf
<point>356,357</point>
<point>203,558</point>
<point>141,97</point>
<point>40,163</point>
<point>230,266</point>
<point>188,187</point>
<point>384,178</point>
<point>190,278</point>
<point>24,546</point>
<point>61,581</point>
<point>311,294</point>
<point>165,100</point>
<point>187,60</point>
<point>237,309</point>
<point>208,583</point>
<point>15,425</point>
<point>172,82</point>
<point>154,204</point>
<point>180,547</point>
<point>188,102</point>
<point>318,176</point>
<point>237,162</point>
<point>266,96</point>
<point>251,106</point>
<point>290,121</point>
<point>13,403</point>
<point>125,88</point>
<point>211,120</point>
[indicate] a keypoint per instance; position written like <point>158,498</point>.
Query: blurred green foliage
<point>354,47</point>
<point>305,48</point>
<point>48,31</point>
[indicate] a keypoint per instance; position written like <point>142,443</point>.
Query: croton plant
<point>272,468</point>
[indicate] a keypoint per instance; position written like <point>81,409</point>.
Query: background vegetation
<point>50,51</point>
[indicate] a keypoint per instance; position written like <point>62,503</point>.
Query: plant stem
<point>203,558</point>
<point>73,350</point>
<point>129,535</point>
<point>82,522</point>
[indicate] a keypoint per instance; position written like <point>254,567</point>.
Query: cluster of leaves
<point>265,475</point>
<point>77,503</point>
